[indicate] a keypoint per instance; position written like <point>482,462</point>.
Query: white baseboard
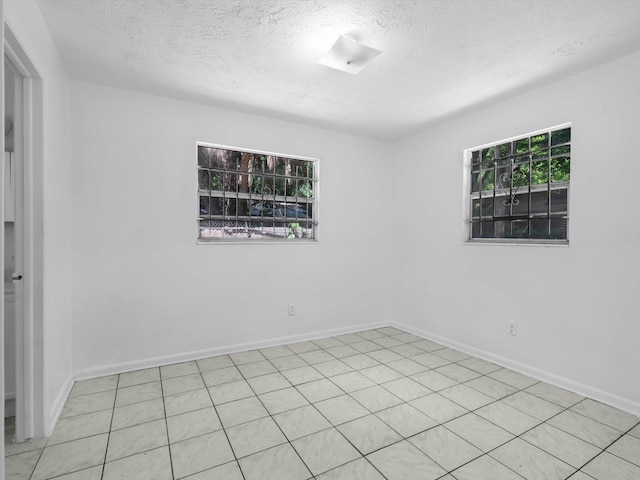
<point>58,405</point>
<point>123,367</point>
<point>562,382</point>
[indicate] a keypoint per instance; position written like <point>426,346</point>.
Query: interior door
<point>14,100</point>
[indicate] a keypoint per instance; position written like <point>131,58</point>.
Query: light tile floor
<point>374,405</point>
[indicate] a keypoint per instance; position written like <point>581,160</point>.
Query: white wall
<point>575,306</point>
<point>52,186</point>
<point>145,292</point>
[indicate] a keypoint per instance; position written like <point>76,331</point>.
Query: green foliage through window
<point>519,188</point>
<point>255,195</point>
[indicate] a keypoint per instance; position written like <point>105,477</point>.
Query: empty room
<point>320,239</point>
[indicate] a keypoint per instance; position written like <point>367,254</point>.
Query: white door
<point>14,104</point>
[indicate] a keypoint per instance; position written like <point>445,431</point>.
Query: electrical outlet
<point>292,309</point>
<point>511,328</point>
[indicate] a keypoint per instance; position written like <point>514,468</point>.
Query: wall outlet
<point>292,309</point>
<point>511,328</point>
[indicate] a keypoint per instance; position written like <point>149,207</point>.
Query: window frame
<point>468,194</point>
<point>314,201</point>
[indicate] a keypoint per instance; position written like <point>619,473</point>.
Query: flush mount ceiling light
<point>347,55</point>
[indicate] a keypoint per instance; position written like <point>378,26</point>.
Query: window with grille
<point>248,195</point>
<point>519,188</point>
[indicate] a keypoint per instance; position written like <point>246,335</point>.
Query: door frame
<point>30,419</point>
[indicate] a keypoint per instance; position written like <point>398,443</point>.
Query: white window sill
<point>256,242</point>
<point>563,244</point>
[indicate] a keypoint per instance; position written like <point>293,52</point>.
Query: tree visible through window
<point>252,195</point>
<point>520,188</point>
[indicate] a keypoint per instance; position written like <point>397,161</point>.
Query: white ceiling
<point>440,57</point>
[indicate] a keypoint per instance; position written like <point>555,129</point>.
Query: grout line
<point>224,430</point>
<point>166,425</point>
<point>113,412</point>
<point>37,461</point>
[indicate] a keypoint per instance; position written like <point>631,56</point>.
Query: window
<point>519,188</point>
<point>247,195</point>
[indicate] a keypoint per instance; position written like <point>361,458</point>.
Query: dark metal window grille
<point>251,195</point>
<point>520,188</point>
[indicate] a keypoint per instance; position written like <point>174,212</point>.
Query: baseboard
<point>58,405</point>
<point>585,390</point>
<point>123,367</point>
<point>562,382</point>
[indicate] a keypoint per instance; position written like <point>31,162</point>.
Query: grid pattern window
<point>255,196</point>
<point>520,189</point>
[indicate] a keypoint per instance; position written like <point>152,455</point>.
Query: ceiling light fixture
<point>348,55</point>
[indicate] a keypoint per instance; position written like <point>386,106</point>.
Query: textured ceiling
<point>439,57</point>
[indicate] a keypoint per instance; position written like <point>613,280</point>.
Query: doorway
<point>23,247</point>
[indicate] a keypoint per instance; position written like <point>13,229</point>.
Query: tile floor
<point>374,405</point>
